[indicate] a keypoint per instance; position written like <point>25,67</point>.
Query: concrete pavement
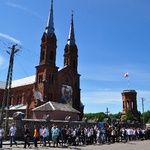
<point>133,145</point>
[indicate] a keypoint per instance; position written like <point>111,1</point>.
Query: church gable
<point>68,82</point>
<point>67,75</point>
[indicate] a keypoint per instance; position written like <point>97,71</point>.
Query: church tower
<point>129,103</point>
<point>48,45</point>
<point>71,61</point>
<point>47,65</point>
<point>58,85</point>
<point>71,51</point>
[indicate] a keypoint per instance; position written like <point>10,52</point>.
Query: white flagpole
<point>128,83</point>
<point>127,76</point>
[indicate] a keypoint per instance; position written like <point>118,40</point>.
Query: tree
<point>129,116</point>
<point>146,116</point>
<point>115,116</point>
<point>100,116</point>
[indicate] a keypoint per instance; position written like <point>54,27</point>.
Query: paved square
<point>133,145</point>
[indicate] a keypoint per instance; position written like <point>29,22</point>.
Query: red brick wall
<point>22,92</point>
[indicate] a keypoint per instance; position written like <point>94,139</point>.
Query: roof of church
<point>50,22</point>
<point>71,36</point>
<point>23,81</point>
<point>55,106</point>
<point>129,91</point>
<point>19,82</point>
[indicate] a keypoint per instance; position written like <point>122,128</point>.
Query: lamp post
<point>143,112</point>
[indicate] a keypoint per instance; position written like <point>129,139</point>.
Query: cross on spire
<point>50,22</point>
<point>71,36</point>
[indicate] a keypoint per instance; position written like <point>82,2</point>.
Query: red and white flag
<point>126,75</point>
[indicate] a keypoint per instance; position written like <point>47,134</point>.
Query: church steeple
<point>49,30</point>
<point>71,36</point>
<point>71,51</point>
<point>47,65</point>
<point>49,41</point>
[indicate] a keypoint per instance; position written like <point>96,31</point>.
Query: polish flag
<point>126,75</point>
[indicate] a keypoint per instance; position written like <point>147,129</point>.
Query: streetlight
<point>143,112</point>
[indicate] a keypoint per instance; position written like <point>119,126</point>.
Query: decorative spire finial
<point>72,13</point>
<point>50,22</point>
<point>71,36</point>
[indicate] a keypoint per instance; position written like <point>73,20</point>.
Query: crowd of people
<point>73,136</point>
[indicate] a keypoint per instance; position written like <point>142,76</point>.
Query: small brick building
<point>50,83</point>
<point>129,103</point>
<point>55,111</point>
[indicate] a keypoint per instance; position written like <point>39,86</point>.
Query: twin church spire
<point>49,45</point>
<point>71,36</point>
<point>49,30</point>
<point>48,76</point>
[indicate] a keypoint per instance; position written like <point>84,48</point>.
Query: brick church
<point>52,90</point>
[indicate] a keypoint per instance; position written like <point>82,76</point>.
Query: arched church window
<point>132,104</point>
<point>66,61</point>
<point>19,99</point>
<point>127,104</point>
<point>51,55</point>
<point>40,78</point>
<point>50,79</point>
<point>74,64</point>
<point>123,104</point>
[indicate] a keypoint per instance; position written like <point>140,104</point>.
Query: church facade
<point>50,83</point>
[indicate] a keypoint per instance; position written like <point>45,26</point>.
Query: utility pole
<point>143,112</point>
<point>6,96</point>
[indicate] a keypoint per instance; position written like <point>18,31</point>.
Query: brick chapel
<point>50,83</point>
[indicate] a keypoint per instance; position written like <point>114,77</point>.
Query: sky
<point>112,36</point>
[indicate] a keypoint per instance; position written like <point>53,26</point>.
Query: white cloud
<point>3,63</point>
<point>1,60</point>
<point>10,38</point>
<point>143,94</point>
<point>103,96</point>
<point>24,8</point>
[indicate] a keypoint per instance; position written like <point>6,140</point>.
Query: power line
<point>3,43</point>
<point>24,54</point>
<point>22,67</point>
<point>28,55</point>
